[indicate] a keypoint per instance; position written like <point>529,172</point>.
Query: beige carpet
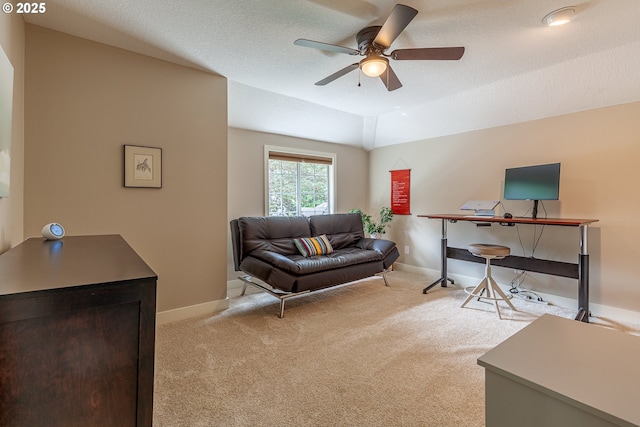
<point>357,355</point>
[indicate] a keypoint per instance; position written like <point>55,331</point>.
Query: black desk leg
<point>443,268</point>
<point>583,289</point>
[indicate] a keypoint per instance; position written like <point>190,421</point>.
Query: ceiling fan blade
<point>433,53</point>
<point>399,18</point>
<point>337,74</point>
<point>326,46</point>
<point>390,79</point>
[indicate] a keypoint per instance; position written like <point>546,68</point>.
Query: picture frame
<point>142,166</point>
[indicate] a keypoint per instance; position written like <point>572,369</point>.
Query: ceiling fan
<point>374,41</point>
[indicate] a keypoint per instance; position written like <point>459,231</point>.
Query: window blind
<point>300,158</point>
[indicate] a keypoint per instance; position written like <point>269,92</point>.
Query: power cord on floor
<point>517,291</point>
<point>516,288</point>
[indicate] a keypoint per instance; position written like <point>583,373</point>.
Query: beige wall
<point>599,152</point>
<point>11,208</point>
<point>84,100</point>
<point>246,174</point>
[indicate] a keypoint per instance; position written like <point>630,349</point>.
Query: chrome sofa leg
<point>244,288</point>
<point>282,296</point>
<point>384,275</point>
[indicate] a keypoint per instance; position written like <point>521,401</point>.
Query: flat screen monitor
<point>539,182</point>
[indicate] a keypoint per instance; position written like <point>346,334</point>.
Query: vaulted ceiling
<point>514,68</point>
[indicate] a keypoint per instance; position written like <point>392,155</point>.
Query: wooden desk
<point>579,271</point>
<point>77,333</point>
<point>537,378</point>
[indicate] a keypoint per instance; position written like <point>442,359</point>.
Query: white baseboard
<point>415,270</point>
<point>182,313</point>
<point>597,310</point>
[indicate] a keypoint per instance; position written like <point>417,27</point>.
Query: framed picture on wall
<point>142,166</point>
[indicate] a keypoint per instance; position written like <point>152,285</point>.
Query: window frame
<point>297,152</point>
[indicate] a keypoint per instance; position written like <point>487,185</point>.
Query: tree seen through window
<point>298,188</point>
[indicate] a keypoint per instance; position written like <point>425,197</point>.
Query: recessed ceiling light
<point>559,17</point>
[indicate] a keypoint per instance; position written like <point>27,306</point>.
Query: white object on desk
<point>53,231</point>
<point>481,207</point>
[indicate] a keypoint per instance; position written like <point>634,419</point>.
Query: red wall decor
<point>401,191</point>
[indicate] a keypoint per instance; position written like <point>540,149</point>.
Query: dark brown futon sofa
<point>297,255</point>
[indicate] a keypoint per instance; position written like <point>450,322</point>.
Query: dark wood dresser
<point>77,333</point>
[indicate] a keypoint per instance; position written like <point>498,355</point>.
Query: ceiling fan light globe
<point>374,66</point>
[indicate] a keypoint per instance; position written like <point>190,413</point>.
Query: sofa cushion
<point>271,234</point>
<point>323,279</point>
<point>343,230</point>
<point>299,265</point>
<point>310,246</point>
<point>289,282</point>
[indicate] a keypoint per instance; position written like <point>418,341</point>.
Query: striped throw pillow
<point>310,246</point>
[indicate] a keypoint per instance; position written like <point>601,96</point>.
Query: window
<point>298,182</point>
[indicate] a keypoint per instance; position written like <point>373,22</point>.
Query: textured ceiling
<point>514,69</point>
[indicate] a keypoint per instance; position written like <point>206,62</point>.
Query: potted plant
<point>375,229</point>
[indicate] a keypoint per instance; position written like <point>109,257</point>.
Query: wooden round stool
<point>494,293</point>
